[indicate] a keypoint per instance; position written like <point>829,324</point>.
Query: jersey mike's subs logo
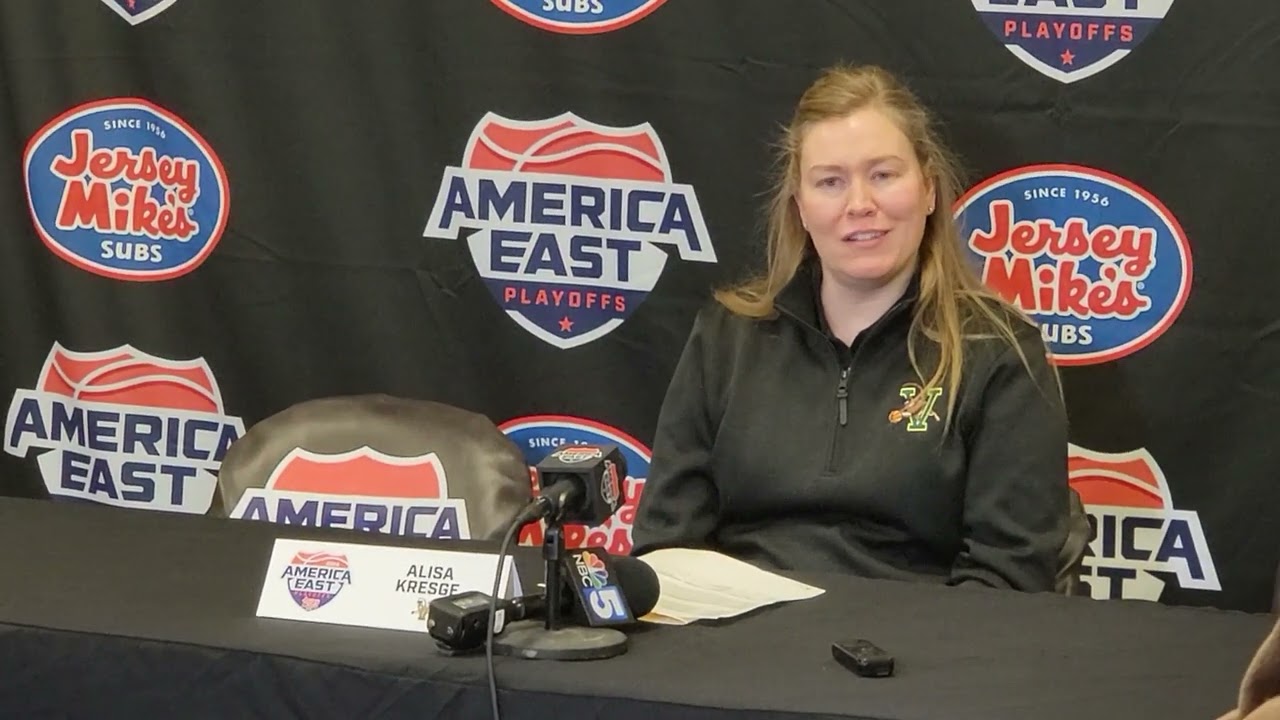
<point>538,435</point>
<point>125,428</point>
<point>1100,263</point>
<point>362,489</point>
<point>1140,540</point>
<point>1069,40</point>
<point>579,17</point>
<point>138,11</point>
<point>126,189</point>
<point>568,217</point>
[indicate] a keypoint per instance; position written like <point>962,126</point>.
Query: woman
<point>865,406</point>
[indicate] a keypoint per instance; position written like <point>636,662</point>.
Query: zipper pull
<point>842,395</point>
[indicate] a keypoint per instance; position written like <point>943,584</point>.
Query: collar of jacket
<point>800,299</point>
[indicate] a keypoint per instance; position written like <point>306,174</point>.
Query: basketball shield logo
<point>1069,40</point>
<point>138,11</point>
<point>565,218</point>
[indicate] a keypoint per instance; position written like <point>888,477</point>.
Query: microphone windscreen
<point>639,584</point>
<point>598,472</point>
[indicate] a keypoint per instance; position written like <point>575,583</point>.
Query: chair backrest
<point>376,462</point>
<point>1071,557</point>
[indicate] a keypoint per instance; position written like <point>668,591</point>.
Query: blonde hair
<point>953,303</point>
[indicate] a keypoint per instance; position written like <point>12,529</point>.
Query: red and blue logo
<point>362,489</point>
<point>127,190</point>
<point>138,11</point>
<point>538,435</point>
<point>1141,542</point>
<point>575,454</point>
<point>1069,40</point>
<point>1100,263</point>
<point>564,219</point>
<point>579,17</point>
<point>126,428</point>
<point>314,579</point>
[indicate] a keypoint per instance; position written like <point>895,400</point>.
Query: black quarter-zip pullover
<point>780,445</point>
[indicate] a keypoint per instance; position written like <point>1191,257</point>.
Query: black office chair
<point>1071,557</point>
<point>483,467</point>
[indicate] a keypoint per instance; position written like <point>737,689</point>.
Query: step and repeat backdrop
<point>211,210</point>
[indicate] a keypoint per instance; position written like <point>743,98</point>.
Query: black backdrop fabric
<point>210,211</point>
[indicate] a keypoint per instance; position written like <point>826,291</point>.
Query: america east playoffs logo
<point>125,428</point>
<point>138,11</point>
<point>567,218</point>
<point>1097,261</point>
<point>1069,40</point>
<point>579,17</point>
<point>537,435</point>
<point>363,489</point>
<point>314,579</point>
<point>126,189</point>
<point>1140,540</point>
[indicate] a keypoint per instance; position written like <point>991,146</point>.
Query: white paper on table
<point>706,585</point>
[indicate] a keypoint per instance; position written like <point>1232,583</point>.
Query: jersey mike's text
<point>1011,248</point>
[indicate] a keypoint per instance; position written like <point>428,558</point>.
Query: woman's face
<point>863,198</point>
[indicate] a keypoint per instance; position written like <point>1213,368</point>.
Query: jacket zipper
<point>842,416</point>
<point>842,395</point>
<point>842,388</point>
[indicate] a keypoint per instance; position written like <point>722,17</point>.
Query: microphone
<point>458,623</point>
<point>578,484</point>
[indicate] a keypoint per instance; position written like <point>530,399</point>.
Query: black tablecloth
<point>113,613</point>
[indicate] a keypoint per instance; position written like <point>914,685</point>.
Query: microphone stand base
<point>531,640</point>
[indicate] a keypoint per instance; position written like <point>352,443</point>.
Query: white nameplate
<point>374,586</point>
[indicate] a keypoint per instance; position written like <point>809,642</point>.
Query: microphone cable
<point>493,613</point>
